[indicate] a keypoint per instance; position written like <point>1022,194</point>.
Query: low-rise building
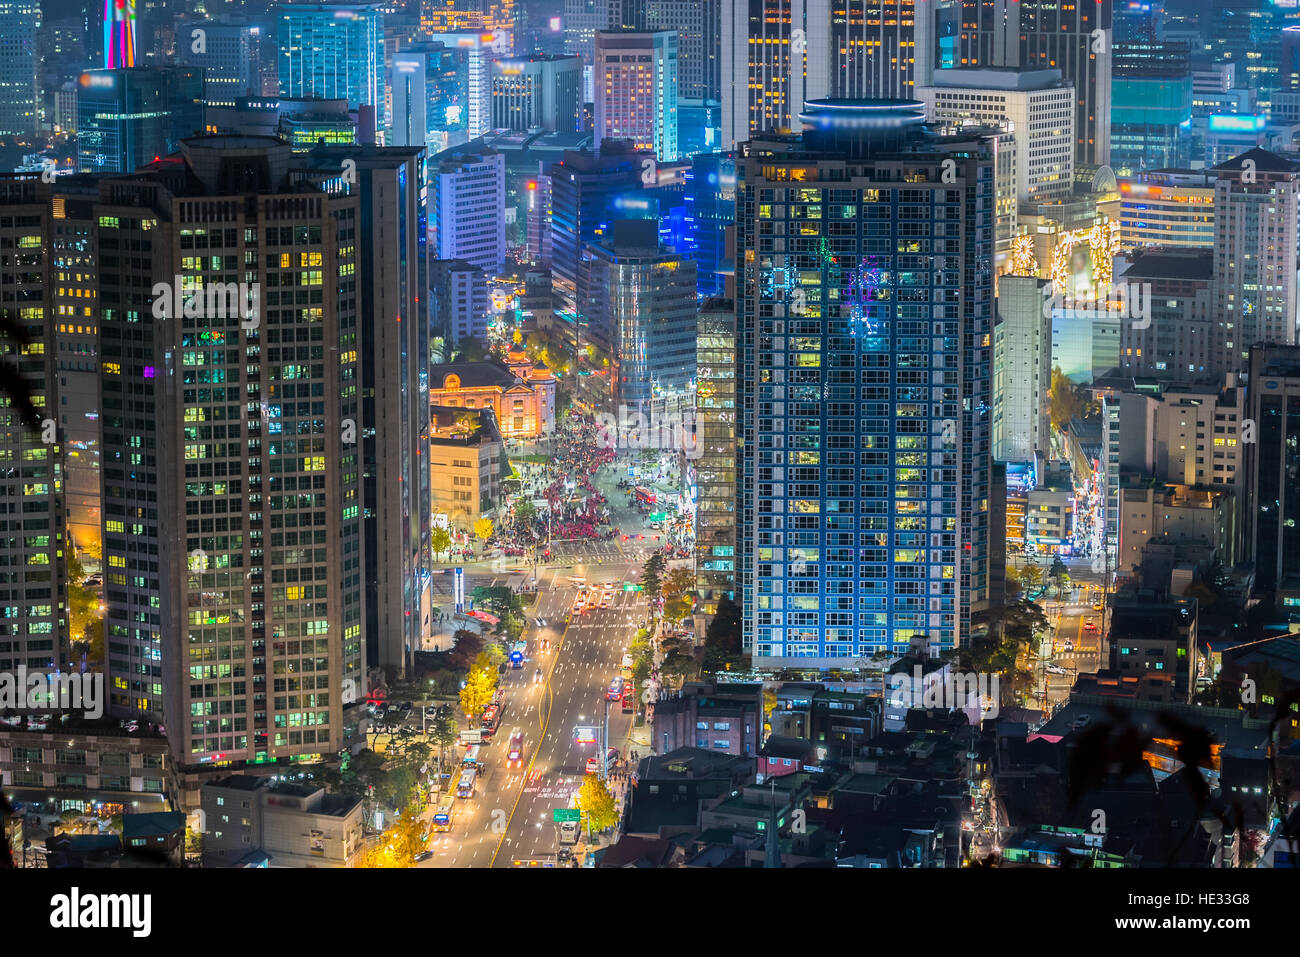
<point>726,718</point>
<point>522,396</point>
<point>466,456</point>
<point>296,825</point>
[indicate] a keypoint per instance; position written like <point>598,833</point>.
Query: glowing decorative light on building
<point>119,33</point>
<point>1023,262</point>
<point>1103,243</point>
<point>867,284</point>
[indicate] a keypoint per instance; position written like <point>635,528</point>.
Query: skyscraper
<point>468,207</point>
<point>881,48</point>
<point>230,55</point>
<point>536,93</point>
<point>1272,462</point>
<point>333,51</point>
<point>1042,34</point>
<point>586,189</point>
<point>127,118</point>
<point>34,545</point>
<point>429,84</point>
<point>715,466</point>
<point>636,90</point>
<point>863,333</point>
<point>775,55</point>
<point>392,341</point>
<point>1256,200</point>
<point>232,477</point>
<point>641,309</point>
<point>19,99</point>
<point>698,24</point>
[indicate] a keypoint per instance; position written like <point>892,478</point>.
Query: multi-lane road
<point>510,817</point>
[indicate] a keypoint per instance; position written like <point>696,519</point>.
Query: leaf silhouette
<point>12,382</point>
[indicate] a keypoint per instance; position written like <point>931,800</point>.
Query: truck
<point>568,833</point>
<point>471,736</point>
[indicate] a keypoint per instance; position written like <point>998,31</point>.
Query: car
<point>1081,721</point>
<point>515,753</point>
<point>93,582</point>
<point>423,856</point>
<point>1097,606</point>
<point>1055,670</point>
<point>1089,626</point>
<point>606,602</point>
<point>546,644</point>
<point>537,676</point>
<point>404,708</point>
<point>615,689</point>
<point>593,765</point>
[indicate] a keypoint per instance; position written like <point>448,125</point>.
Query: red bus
<point>644,496</point>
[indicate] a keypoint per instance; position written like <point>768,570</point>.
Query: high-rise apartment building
<point>334,51</point>
<point>1175,340</point>
<point>461,306</point>
<point>33,544</point>
<point>635,76</point>
<point>1040,107</point>
<point>19,91</point>
<point>232,480</point>
<point>537,93</point>
<point>1040,35</point>
<point>1256,201</point>
<point>864,321</point>
<point>710,213</point>
<point>480,49</point>
<point>468,204</point>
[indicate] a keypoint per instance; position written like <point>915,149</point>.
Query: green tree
<point>596,804</point>
<point>444,731</point>
<point>678,582</point>
<point>652,576</point>
<point>525,513</point>
<point>440,541</point>
<point>722,641</point>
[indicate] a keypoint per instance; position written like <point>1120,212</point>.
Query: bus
<point>442,816</point>
<point>517,654</point>
<point>645,496</point>
<point>465,786</point>
<point>491,719</point>
<point>471,757</point>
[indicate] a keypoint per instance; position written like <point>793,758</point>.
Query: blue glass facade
<point>333,52</point>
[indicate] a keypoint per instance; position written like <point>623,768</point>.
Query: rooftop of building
<point>1006,78</point>
<point>1194,263</point>
<point>474,375</point>
<point>1265,161</point>
<point>159,822</point>
<point>462,427</point>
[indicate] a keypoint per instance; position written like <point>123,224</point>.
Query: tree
<point>1064,401</point>
<point>596,804</point>
<point>1060,575</point>
<point>440,541</point>
<point>722,644</point>
<point>652,576</point>
<point>477,694</point>
<point>679,582</point>
<point>1031,576</point>
<point>444,732</point>
<point>484,528</point>
<point>466,648</point>
<point>525,513</point>
<point>490,658</point>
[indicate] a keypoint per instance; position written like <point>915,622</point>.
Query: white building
<point>468,219</point>
<point>1022,371</point>
<point>1040,107</point>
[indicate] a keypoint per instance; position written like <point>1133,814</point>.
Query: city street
<point>509,818</point>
